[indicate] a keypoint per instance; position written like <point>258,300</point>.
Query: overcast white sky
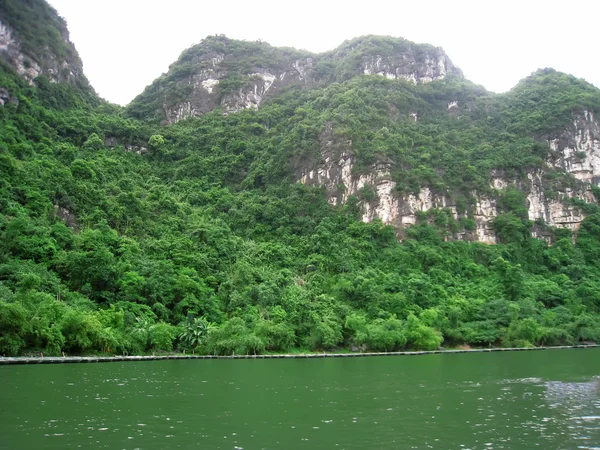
<point>126,44</point>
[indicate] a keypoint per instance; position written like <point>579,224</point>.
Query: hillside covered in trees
<point>227,228</point>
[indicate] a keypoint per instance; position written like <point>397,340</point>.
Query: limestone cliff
<point>235,75</point>
<point>577,148</point>
<point>11,53</point>
<point>228,76</point>
<point>213,86</point>
<point>41,50</point>
<point>576,151</point>
<point>404,60</point>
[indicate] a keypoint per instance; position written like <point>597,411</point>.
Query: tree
<point>421,337</point>
<point>13,328</point>
<point>195,332</point>
<point>93,142</point>
<point>162,336</point>
<point>156,141</point>
<point>385,335</point>
<point>233,337</point>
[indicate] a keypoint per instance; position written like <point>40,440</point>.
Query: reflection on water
<point>576,408</point>
<point>547,400</point>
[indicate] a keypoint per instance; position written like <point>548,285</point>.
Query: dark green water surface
<point>514,400</point>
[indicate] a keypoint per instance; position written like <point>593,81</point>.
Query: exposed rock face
<point>555,211</point>
<point>577,149</point>
<point>7,97</point>
<point>382,200</point>
<point>11,53</point>
<point>67,216</point>
<point>207,92</point>
<point>139,149</point>
<point>211,77</point>
<point>433,65</point>
<point>387,204</point>
<point>56,68</point>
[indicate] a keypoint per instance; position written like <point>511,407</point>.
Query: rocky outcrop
<point>379,198</point>
<point>136,147</point>
<point>577,149</point>
<point>7,97</point>
<point>210,87</point>
<point>10,51</point>
<point>430,66</point>
<point>58,68</point>
<point>66,215</point>
<point>484,213</point>
<point>557,212</point>
<point>375,188</point>
<point>216,74</point>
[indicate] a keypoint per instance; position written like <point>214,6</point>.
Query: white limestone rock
<point>336,173</point>
<point>56,67</point>
<point>10,50</point>
<point>577,149</point>
<point>210,68</point>
<point>209,84</point>
<point>418,70</point>
<point>555,212</point>
<point>485,212</point>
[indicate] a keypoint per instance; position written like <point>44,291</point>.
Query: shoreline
<point>96,359</point>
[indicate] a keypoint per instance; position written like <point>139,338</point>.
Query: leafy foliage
<point>205,242</point>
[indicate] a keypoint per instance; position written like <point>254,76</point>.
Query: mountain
<point>234,75</point>
<point>224,75</point>
<point>260,199</point>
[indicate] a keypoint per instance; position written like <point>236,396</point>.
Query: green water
<point>514,400</point>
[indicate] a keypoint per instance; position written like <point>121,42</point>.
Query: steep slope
<point>427,155</point>
<point>277,227</point>
<point>234,75</point>
<point>462,160</point>
<point>34,41</point>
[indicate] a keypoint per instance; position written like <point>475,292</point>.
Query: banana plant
<point>195,331</point>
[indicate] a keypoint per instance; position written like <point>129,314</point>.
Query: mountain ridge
<point>205,71</point>
<point>232,74</point>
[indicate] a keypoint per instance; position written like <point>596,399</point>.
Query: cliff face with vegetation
<point>229,76</point>
<point>259,199</point>
<point>575,152</point>
<point>233,75</point>
<point>34,41</point>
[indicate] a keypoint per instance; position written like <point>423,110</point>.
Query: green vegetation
<point>43,40</point>
<point>37,26</point>
<point>203,241</point>
<point>233,62</point>
<point>239,59</point>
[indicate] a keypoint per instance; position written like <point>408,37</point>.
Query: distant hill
<point>233,75</point>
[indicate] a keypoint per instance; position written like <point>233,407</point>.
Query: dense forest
<point>122,236</point>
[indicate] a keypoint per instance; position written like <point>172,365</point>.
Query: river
<point>509,400</point>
